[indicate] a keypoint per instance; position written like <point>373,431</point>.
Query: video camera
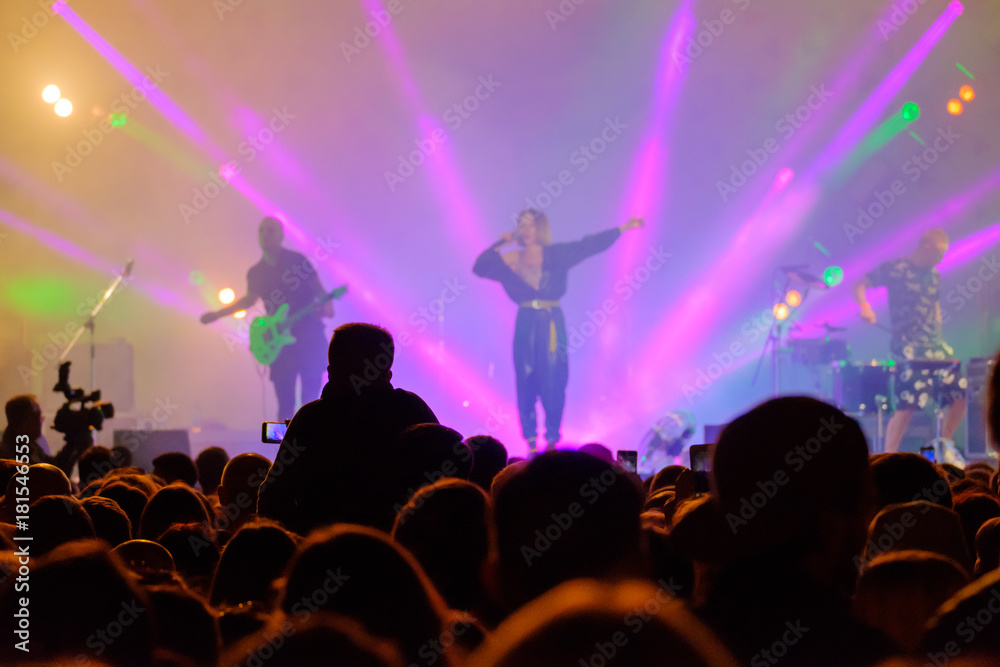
<point>76,425</point>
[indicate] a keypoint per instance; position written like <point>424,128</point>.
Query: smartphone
<point>273,432</point>
<point>701,467</point>
<point>927,451</point>
<point>628,459</point>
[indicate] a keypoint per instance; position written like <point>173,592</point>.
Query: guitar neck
<point>299,314</point>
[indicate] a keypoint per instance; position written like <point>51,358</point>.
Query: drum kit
<point>862,389</point>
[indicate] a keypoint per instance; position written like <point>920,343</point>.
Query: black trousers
<point>305,358</point>
<point>541,369</point>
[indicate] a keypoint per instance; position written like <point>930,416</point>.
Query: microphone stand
<point>89,324</point>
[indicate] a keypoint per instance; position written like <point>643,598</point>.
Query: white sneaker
<point>949,453</point>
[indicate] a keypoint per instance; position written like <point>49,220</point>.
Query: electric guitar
<point>269,333</point>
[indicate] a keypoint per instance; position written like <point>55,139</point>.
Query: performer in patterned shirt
<point>915,310</point>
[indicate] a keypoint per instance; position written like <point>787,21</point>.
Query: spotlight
<point>119,118</point>
<point>967,93</point>
<point>793,298</point>
<point>833,276</point>
<point>781,311</point>
<point>910,112</point>
<point>240,314</point>
<point>51,93</point>
<point>227,296</point>
<point>228,170</point>
<point>64,107</point>
<point>954,107</point>
<point>784,177</point>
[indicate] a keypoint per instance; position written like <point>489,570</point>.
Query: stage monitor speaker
<point>712,432</point>
<point>147,445</point>
<point>978,441</point>
<point>920,431</point>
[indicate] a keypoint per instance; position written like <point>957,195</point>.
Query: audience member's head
<point>193,548</point>
<point>172,504</point>
<point>447,526</point>
<point>315,640</point>
<point>793,483</point>
<point>598,450</point>
<point>210,463</point>
<point>964,621</point>
<point>241,479</point>
<point>175,467</point>
<point>917,526</point>
<point>43,480</point>
<point>360,357</point>
<point>111,524</point>
<point>185,625</point>
<point>94,464</point>
<point>586,622</point>
<point>993,403</point>
<point>425,453</point>
<point>83,602</point>
<point>56,520</point>
<point>131,500</point>
<point>489,458</point>
<point>254,558</point>
<point>899,592</point>
<point>988,547</point>
<point>975,509</point>
<point>145,558</point>
<point>359,572</point>
<point>121,456</point>
<point>24,416</point>
<point>903,477</point>
<point>565,515</point>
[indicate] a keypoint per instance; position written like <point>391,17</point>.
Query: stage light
<point>119,118</point>
<point>784,177</point>
<point>781,311</point>
<point>954,107</point>
<point>227,296</point>
<point>967,93</point>
<point>910,112</point>
<point>51,93</point>
<point>64,107</point>
<point>228,170</point>
<point>240,314</point>
<point>793,298</point>
<point>833,276</point>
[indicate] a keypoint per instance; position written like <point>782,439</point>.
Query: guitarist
<point>284,276</point>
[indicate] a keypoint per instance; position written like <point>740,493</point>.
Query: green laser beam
<point>917,137</point>
<point>819,246</point>
<point>967,72</point>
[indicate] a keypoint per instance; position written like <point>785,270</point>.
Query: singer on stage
<point>534,277</point>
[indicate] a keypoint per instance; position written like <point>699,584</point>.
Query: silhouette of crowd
<point>377,536</point>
